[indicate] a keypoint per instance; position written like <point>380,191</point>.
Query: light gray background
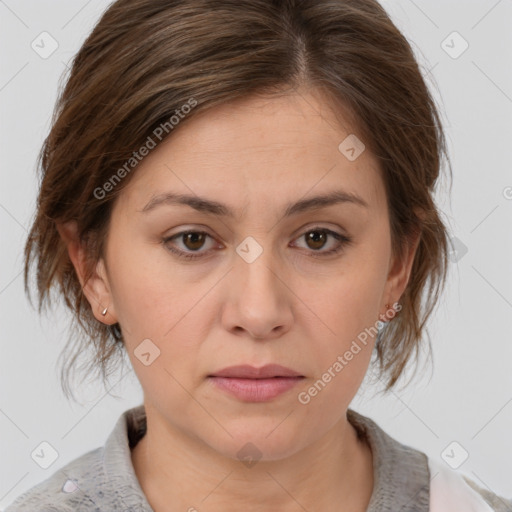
<point>469,397</point>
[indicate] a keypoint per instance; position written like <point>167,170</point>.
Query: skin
<point>290,306</point>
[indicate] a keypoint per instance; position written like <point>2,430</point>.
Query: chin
<point>257,441</point>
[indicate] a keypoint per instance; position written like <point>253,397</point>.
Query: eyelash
<point>343,239</point>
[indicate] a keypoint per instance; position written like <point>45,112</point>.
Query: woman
<point>240,196</point>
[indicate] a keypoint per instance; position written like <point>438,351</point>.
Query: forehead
<point>271,149</point>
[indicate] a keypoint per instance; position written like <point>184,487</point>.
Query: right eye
<point>191,241</point>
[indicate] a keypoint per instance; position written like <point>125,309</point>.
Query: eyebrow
<point>204,205</point>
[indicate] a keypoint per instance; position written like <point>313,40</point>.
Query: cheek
<point>155,300</point>
<point>162,324</point>
<point>342,354</point>
<point>140,300</point>
<point>146,288</point>
<point>363,283</point>
<point>344,323</point>
<point>349,301</point>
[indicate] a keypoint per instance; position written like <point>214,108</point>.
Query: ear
<point>400,270</point>
<point>97,288</point>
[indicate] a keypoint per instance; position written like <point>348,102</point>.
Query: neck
<point>177,472</point>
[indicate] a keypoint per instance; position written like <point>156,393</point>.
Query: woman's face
<point>265,280</point>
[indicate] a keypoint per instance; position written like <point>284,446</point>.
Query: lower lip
<point>256,390</point>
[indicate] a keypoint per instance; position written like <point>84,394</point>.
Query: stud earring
<point>104,312</point>
<point>384,318</point>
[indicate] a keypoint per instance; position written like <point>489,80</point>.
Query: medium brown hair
<point>145,59</point>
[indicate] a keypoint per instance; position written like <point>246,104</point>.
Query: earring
<point>383,317</point>
<point>104,312</point>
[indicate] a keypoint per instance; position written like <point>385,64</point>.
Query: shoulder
<point>451,490</point>
<point>405,475</point>
<point>100,480</point>
<point>71,488</point>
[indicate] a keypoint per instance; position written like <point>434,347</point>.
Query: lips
<point>251,372</point>
<point>250,384</point>
<point>255,390</point>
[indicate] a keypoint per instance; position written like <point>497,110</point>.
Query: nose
<point>259,299</point>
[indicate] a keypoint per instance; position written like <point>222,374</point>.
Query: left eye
<point>193,241</point>
<point>316,239</point>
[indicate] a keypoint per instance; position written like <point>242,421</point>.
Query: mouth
<point>246,371</point>
<point>250,384</point>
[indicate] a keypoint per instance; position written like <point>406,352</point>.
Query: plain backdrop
<point>463,406</point>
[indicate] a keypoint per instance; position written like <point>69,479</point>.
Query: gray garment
<point>107,482</point>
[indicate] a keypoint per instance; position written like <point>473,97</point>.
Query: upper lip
<point>246,371</point>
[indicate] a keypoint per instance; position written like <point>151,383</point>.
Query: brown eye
<point>188,244</point>
<point>194,240</point>
<point>316,239</point>
<point>323,238</point>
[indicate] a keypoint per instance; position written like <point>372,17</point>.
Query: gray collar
<point>401,474</point>
<point>129,496</point>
